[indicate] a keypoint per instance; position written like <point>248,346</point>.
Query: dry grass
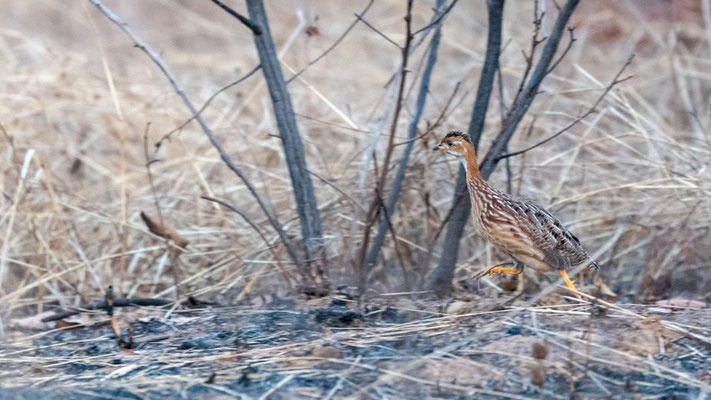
<point>632,181</point>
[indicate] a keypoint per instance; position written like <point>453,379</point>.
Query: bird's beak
<point>440,147</point>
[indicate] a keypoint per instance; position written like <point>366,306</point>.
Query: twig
<point>535,41</point>
<point>341,377</point>
<point>460,193</point>
<point>440,118</point>
<point>374,29</point>
<point>524,100</point>
<point>391,229</point>
<point>502,100</point>
<point>397,183</point>
<point>168,135</point>
<point>571,32</point>
<point>339,190</point>
<point>616,80</point>
<point>246,21</point>
<point>488,72</point>
<point>373,210</point>
<point>103,305</point>
<point>437,19</point>
<point>336,43</point>
<point>143,46</point>
<point>150,161</point>
<point>254,226</point>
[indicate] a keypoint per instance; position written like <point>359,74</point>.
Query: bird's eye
<point>449,143</point>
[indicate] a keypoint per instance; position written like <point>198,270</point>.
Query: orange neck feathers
<point>471,164</point>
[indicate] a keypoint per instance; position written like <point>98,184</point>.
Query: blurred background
<point>632,180</point>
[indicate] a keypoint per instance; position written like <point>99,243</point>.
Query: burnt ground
<point>390,348</point>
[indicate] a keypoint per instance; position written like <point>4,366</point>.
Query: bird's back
<point>525,230</point>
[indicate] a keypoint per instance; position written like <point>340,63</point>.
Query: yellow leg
<point>499,269</point>
<point>569,283</point>
<point>503,270</point>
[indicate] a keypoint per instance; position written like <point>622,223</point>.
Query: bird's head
<point>457,144</point>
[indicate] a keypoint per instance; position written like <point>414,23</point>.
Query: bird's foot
<point>505,268</point>
<point>569,284</point>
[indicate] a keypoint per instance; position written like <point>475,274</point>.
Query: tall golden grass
<point>632,180</point>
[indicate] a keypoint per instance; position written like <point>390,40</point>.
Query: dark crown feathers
<point>458,134</point>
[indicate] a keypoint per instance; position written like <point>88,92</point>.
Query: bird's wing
<point>561,249</point>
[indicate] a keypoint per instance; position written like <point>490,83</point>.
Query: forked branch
<point>153,55</point>
<point>460,210</point>
<point>615,81</point>
<point>525,95</point>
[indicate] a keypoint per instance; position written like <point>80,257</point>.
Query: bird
<point>518,226</point>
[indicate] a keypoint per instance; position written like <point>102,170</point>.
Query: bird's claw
<point>484,272</point>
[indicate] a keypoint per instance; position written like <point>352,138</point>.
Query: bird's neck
<point>475,184</point>
<point>471,165</point>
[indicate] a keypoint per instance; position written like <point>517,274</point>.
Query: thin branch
<point>535,41</point>
<point>254,226</point>
<point>374,208</point>
<point>376,30</point>
<point>571,33</point>
<point>399,179</point>
<point>244,20</point>
<point>168,135</point>
<point>508,173</point>
<point>387,220</point>
<point>524,100</point>
<point>143,46</point>
<point>437,19</point>
<point>339,190</point>
<point>440,118</point>
<point>398,107</point>
<point>616,80</point>
<point>336,43</point>
<point>150,161</point>
<point>123,302</point>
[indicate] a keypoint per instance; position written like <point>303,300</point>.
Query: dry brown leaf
<point>69,323</point>
<point>162,230</point>
<point>313,31</point>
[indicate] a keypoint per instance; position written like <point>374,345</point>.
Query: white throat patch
<point>464,162</point>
